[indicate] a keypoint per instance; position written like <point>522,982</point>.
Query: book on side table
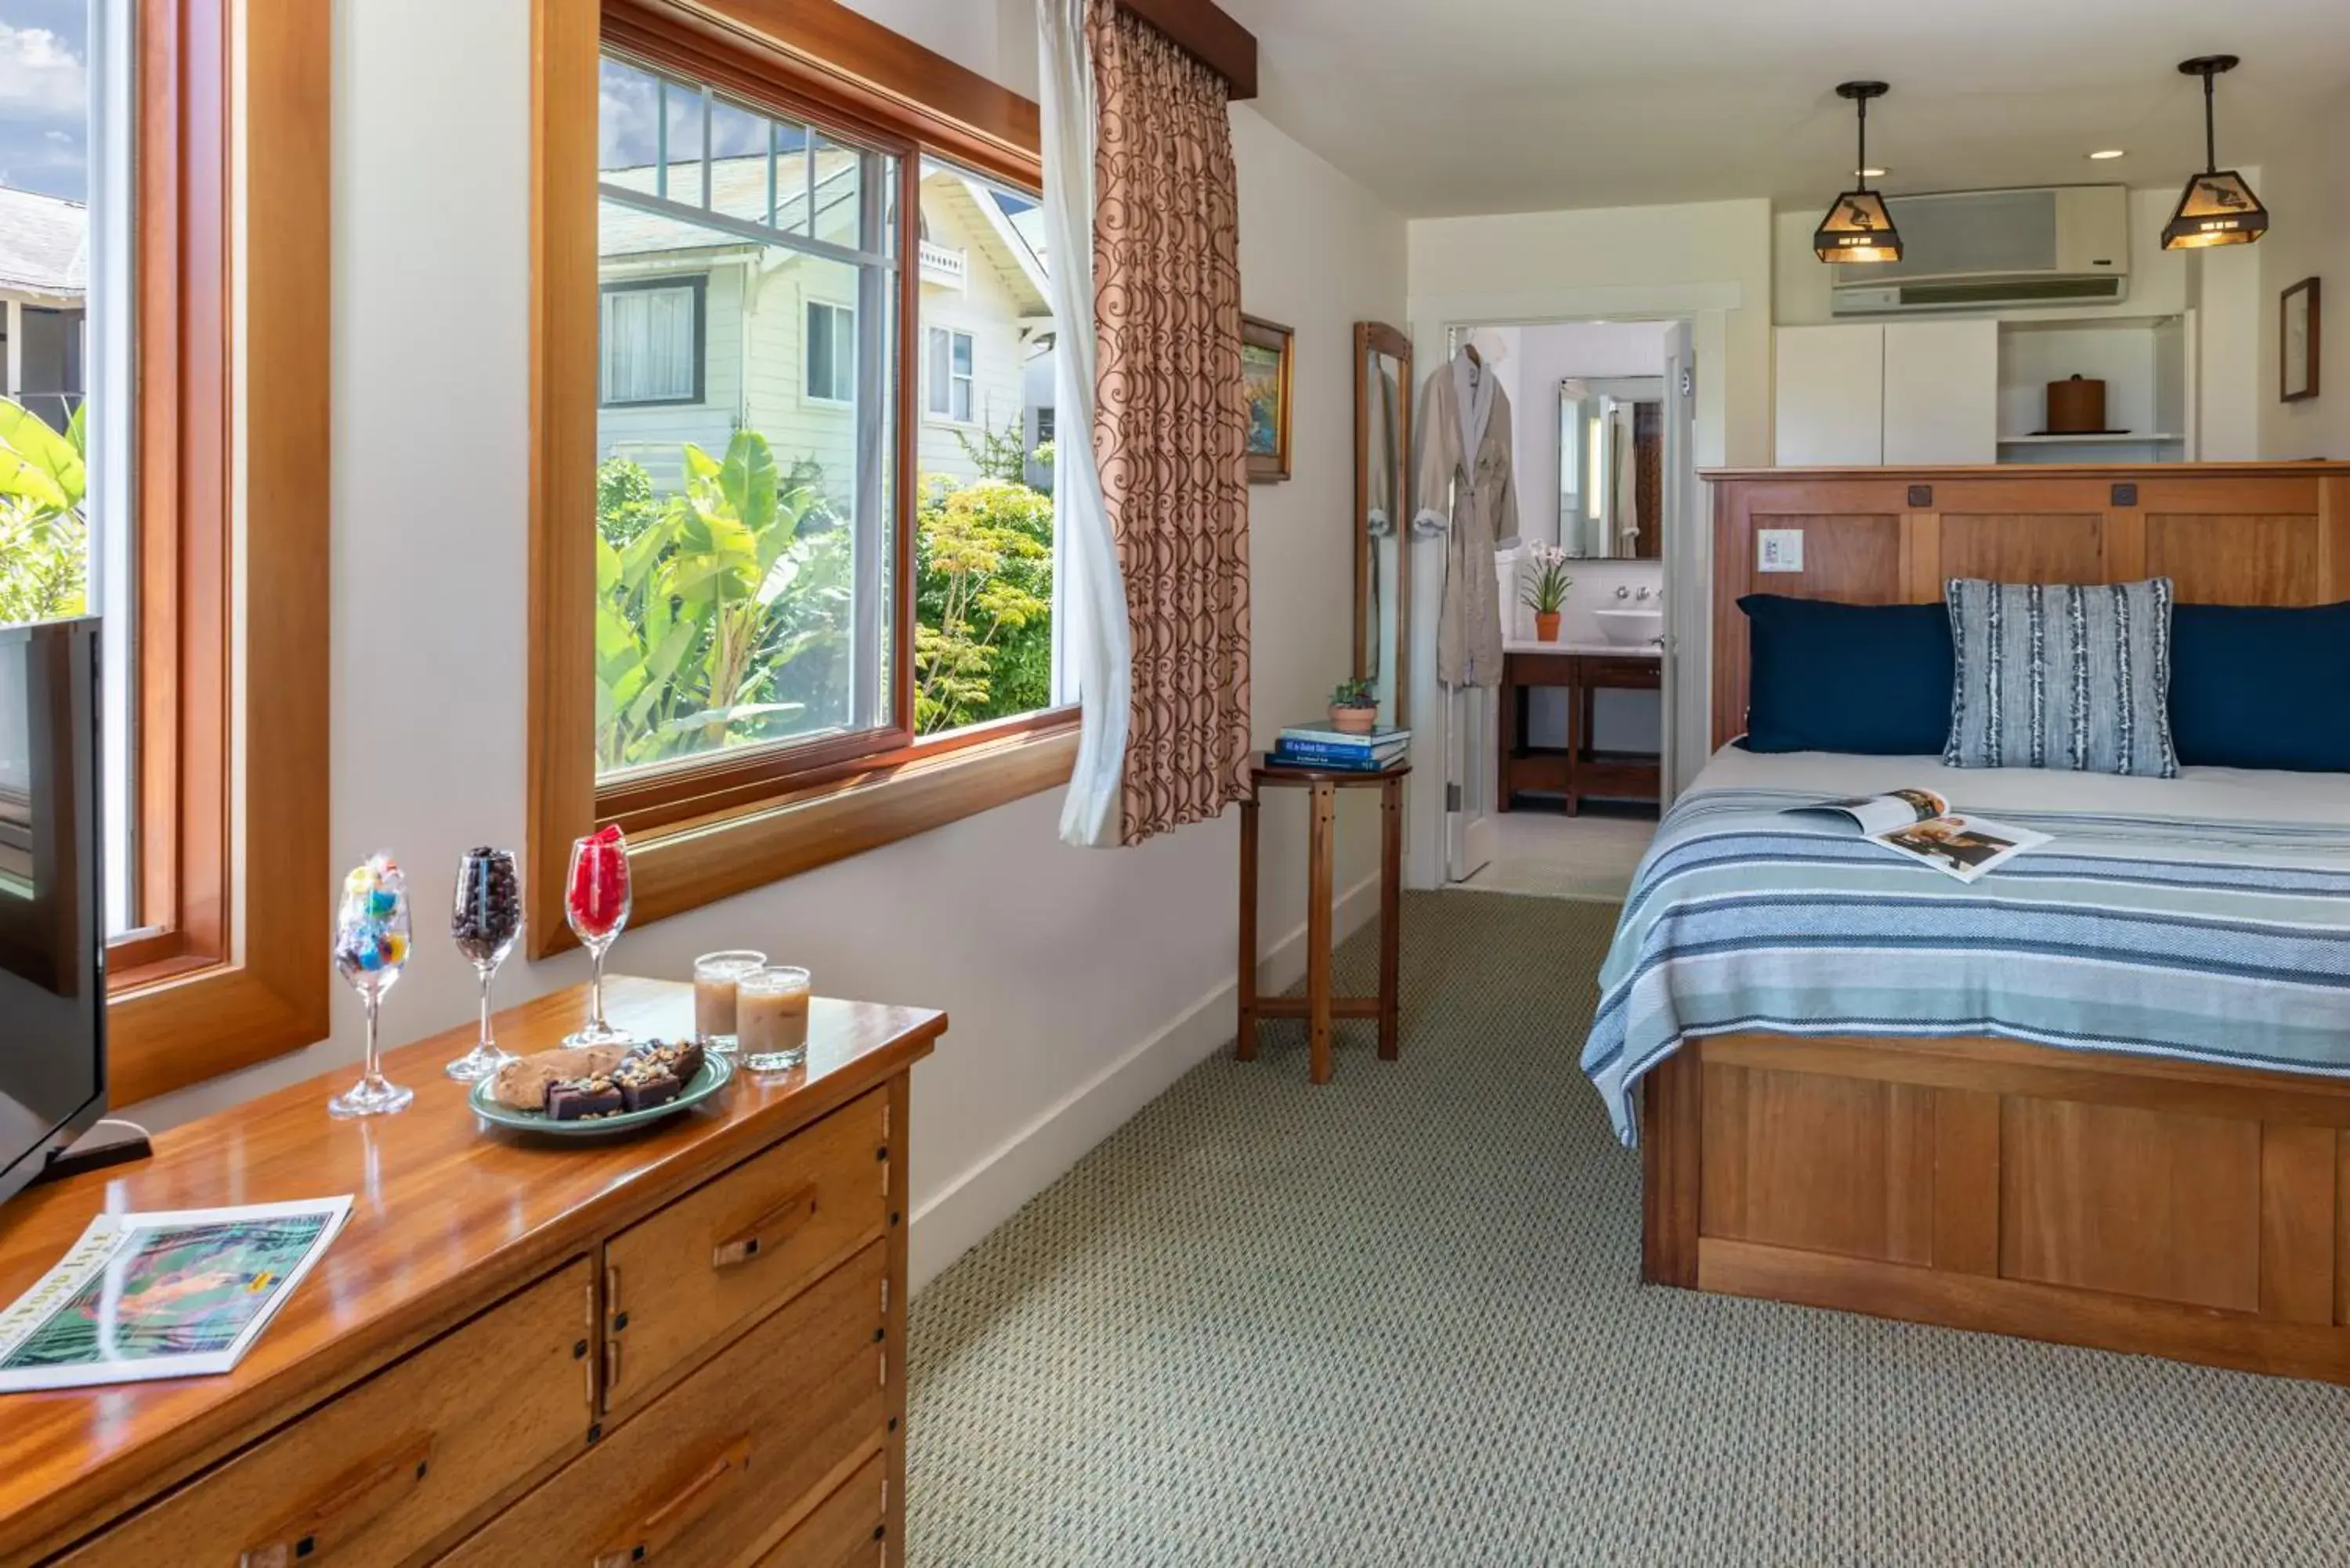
<point>1320,747</point>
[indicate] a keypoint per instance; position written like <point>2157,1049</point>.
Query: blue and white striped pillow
<point>2056,676</point>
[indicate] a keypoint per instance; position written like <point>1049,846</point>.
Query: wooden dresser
<point>685,1347</point>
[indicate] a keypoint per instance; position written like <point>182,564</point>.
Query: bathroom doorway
<point>1574,763</point>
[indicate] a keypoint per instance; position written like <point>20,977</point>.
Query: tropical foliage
<point>982,603</point>
<point>722,615</point>
<point>723,612</point>
<point>983,589</point>
<point>44,525</point>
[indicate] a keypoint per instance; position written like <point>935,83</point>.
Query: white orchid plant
<point>1543,581</point>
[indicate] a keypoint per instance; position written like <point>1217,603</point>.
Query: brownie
<point>583,1097</point>
<point>683,1057</point>
<point>644,1082</point>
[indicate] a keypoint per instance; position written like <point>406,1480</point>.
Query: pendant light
<point>2217,207</point>
<point>1858,228</point>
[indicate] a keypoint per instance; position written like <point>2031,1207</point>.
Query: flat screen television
<point>52,915</point>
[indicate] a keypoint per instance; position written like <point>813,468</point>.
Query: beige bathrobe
<point>1467,493</point>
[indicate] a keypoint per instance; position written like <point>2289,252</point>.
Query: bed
<point>2103,1095</point>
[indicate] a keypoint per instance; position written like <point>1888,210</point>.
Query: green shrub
<point>44,528</point>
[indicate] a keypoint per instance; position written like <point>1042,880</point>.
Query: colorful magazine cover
<point>176,1294</point>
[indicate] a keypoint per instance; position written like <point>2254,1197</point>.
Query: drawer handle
<point>351,1502</point>
<point>767,1232</point>
<point>661,1528</point>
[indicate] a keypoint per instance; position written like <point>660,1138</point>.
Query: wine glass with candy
<point>596,902</point>
<point>484,919</point>
<point>370,950</point>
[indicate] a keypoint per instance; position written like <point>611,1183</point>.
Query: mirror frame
<point>1378,337</point>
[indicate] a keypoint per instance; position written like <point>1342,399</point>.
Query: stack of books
<point>1320,747</point>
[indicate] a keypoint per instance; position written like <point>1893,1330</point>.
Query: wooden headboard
<point>2275,533</point>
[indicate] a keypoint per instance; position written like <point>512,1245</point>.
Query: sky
<point>43,96</point>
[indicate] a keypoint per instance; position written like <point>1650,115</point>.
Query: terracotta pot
<point>1546,626</point>
<point>1354,721</point>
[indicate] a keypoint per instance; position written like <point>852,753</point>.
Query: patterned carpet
<point>1395,1321</point>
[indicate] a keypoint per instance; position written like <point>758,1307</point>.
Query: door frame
<point>1689,547</point>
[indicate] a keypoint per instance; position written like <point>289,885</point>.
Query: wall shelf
<point>2106,437</point>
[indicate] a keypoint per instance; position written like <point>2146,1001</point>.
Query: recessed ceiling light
<point>2109,153</point>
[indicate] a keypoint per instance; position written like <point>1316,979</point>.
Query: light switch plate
<point>1779,549</point>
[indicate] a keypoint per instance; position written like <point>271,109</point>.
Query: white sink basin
<point>1631,628</point>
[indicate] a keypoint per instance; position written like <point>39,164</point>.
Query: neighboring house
<point>44,285</point>
<point>704,332</point>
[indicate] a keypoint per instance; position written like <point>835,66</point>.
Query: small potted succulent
<point>1355,708</point>
<point>1543,583</point>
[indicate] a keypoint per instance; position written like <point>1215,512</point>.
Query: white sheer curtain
<point>1096,648</point>
<point>648,345</point>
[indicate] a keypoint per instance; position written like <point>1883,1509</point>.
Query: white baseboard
<point>959,1217</point>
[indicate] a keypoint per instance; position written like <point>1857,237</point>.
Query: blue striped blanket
<point>2221,941</point>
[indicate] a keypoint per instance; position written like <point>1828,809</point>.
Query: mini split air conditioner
<point>1985,250</point>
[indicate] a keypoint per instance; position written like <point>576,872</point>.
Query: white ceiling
<point>1450,106</point>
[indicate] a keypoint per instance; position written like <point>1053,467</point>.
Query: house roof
<point>44,244</point>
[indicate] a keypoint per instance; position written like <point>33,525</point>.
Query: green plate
<point>715,1071</point>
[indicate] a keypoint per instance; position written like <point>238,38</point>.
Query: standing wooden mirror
<point>1382,517</point>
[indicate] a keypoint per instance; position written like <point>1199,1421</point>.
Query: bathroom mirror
<point>1611,448</point>
<point>1382,510</point>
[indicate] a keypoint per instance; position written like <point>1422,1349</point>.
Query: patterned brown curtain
<point>1170,430</point>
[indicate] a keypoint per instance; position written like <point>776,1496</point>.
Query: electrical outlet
<point>1779,549</point>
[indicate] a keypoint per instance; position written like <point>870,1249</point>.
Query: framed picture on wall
<point>2297,342</point>
<point>1266,351</point>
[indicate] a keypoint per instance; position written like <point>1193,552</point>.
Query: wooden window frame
<point>698,285</point>
<point>706,829</point>
<point>231,965</point>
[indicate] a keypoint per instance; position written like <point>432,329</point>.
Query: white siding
<point>756,369</point>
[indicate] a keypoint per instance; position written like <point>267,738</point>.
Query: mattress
<point>2204,918</point>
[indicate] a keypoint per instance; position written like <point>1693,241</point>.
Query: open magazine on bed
<point>1921,824</point>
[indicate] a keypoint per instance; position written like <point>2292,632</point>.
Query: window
<point>952,379</point>
<point>831,353</point>
<point>200,556</point>
<point>652,341</point>
<point>815,619</point>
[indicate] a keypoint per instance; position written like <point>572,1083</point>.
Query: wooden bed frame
<point>2200,1213</point>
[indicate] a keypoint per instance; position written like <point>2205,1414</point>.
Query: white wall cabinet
<point>1942,392</point>
<point>1831,395</point>
<point>1904,393</point>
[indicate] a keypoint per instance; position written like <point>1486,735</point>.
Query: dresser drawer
<point>844,1529</point>
<point>711,1473</point>
<point>378,1473</point>
<point>1623,674</point>
<point>733,1250</point>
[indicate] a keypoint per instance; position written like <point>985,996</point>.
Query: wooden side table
<point>1317,1006</point>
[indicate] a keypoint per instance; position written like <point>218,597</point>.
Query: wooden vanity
<point>1579,770</point>
<point>685,1346</point>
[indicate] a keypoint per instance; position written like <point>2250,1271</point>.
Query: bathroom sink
<point>1632,627</point>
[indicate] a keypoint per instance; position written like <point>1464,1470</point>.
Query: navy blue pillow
<point>1872,680</point>
<point>2261,687</point>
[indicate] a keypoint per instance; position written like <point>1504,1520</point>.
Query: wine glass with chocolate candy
<point>484,920</point>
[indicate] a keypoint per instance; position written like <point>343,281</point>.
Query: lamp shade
<point>2215,209</point>
<point>1857,229</point>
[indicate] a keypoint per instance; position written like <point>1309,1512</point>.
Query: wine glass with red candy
<point>596,901</point>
